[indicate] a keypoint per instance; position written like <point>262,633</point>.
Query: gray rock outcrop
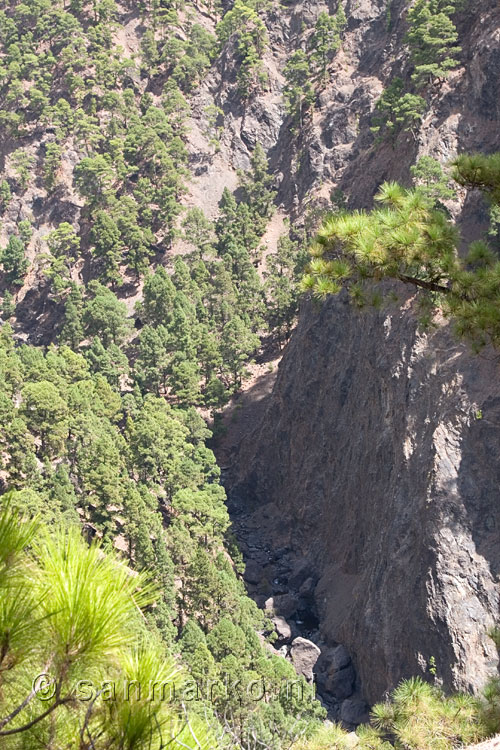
<point>304,655</point>
<point>383,443</point>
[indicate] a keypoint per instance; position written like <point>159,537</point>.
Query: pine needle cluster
<point>407,238</point>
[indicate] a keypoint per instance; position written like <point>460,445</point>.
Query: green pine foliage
<point>326,39</point>
<point>80,448</point>
<point>409,239</point>
<point>416,716</point>
<point>13,260</point>
<point>397,110</point>
<point>5,195</point>
<point>75,614</point>
<point>102,429</point>
<point>432,38</point>
<point>306,69</point>
<point>430,177</point>
<point>245,30</point>
<point>299,92</point>
<point>283,273</point>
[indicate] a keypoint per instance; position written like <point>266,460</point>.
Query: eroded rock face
<point>378,458</point>
<point>354,712</point>
<point>381,449</point>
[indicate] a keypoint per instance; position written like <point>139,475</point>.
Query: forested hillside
<point>160,184</point>
<point>101,428</point>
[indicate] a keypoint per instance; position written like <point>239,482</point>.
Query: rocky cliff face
<point>377,459</point>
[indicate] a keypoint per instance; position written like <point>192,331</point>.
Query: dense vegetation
<point>306,71</point>
<point>432,42</point>
<point>101,429</point>
<point>124,465</point>
<point>75,648</point>
<point>417,716</point>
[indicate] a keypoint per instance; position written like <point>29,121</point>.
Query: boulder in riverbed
<point>285,605</point>
<point>338,658</point>
<point>353,712</point>
<point>300,573</point>
<point>340,684</point>
<point>253,572</point>
<point>282,628</point>
<point>304,655</point>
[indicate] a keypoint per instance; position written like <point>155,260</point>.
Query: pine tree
<point>5,194</point>
<point>242,23</point>
<point>97,627</point>
<point>325,39</point>
<point>64,245</point>
<point>298,91</point>
<point>94,179</point>
<point>154,360</point>
<point>201,587</point>
<point>184,381</point>
<point>46,414</point>
<point>51,164</point>
<point>8,305</point>
<point>192,636</point>
<point>198,231</point>
<point>72,328</point>
<point>430,177</point>
<point>397,111</point>
<point>23,162</point>
<point>105,316</point>
<point>111,362</point>
<point>158,298</point>
<point>209,354</point>
<point>14,261</point>
<point>257,188</point>
<point>64,241</point>
<point>107,246</point>
<point>411,240</point>
<point>237,344</point>
<point>432,37</point>
<point>62,494</point>
<point>282,272</point>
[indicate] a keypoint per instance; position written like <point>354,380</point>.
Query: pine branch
<point>431,286</point>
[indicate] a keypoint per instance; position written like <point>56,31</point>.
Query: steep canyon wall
<point>377,459</point>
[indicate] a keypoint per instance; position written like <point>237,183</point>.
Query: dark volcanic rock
<point>285,605</point>
<point>377,457</point>
<point>373,446</point>
<point>282,628</point>
<point>300,574</point>
<point>337,658</point>
<point>253,572</point>
<point>340,684</point>
<point>353,712</point>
